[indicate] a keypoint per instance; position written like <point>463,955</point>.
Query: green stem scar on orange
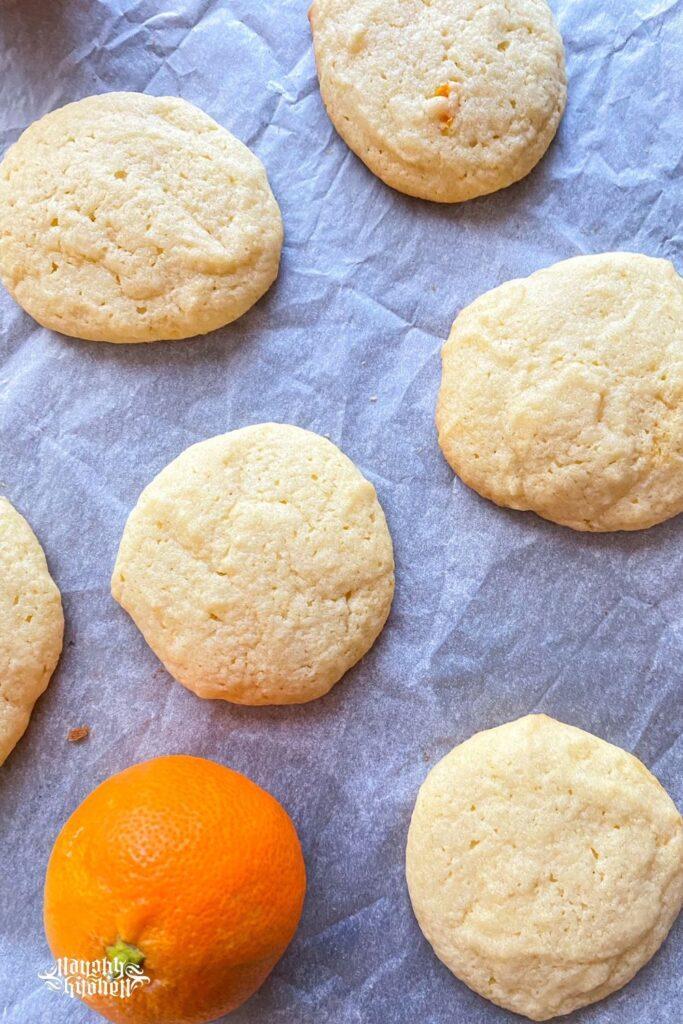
<point>121,955</point>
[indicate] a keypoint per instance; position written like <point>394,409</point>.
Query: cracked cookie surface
<point>545,866</point>
<point>31,625</point>
<point>134,218</point>
<point>563,393</point>
<point>447,99</point>
<point>258,566</point>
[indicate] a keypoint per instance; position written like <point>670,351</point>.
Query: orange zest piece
<point>446,118</point>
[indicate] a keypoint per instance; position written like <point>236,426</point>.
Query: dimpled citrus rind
<point>192,864</point>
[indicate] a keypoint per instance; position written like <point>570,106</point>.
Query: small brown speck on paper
<point>76,735</point>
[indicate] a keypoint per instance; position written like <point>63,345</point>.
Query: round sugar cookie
<point>258,566</point>
<point>131,218</point>
<point>563,393</point>
<point>545,866</point>
<point>445,100</point>
<point>31,625</point>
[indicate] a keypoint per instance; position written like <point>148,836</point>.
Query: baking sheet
<point>496,613</point>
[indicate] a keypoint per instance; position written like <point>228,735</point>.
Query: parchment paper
<point>496,613</point>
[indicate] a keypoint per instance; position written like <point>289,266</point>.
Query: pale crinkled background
<point>496,613</point>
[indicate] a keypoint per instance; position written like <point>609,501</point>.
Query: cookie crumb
<point>76,735</point>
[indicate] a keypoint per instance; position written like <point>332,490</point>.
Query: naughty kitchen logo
<point>106,977</point>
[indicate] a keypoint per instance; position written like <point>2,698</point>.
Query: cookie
<point>563,393</point>
<point>31,625</point>
<point>544,865</point>
<point>131,218</point>
<point>445,100</point>
<point>258,566</point>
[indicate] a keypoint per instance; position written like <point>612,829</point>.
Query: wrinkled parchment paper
<point>496,613</point>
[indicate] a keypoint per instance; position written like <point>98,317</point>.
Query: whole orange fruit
<point>189,870</point>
